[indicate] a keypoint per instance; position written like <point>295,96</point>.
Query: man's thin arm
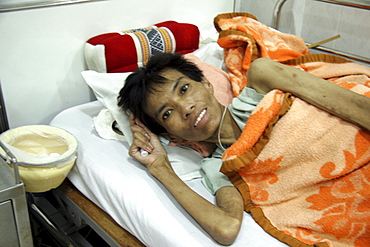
<point>222,222</point>
<point>266,74</point>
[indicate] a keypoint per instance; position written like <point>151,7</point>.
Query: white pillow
<point>106,86</point>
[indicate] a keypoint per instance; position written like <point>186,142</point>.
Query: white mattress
<point>125,190</point>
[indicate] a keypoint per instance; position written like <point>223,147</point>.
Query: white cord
<point>219,129</point>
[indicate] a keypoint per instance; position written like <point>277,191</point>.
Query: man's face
<point>185,108</point>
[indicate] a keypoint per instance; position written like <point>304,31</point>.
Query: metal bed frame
<point>357,4</point>
<point>4,125</point>
<point>64,212</point>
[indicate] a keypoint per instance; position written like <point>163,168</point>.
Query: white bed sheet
<point>125,190</point>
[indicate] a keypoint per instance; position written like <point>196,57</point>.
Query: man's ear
<point>172,138</point>
<point>208,85</point>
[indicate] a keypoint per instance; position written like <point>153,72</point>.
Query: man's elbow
<point>261,74</point>
<point>227,233</point>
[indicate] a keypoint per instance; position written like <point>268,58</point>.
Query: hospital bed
<point>117,197</point>
<point>138,202</point>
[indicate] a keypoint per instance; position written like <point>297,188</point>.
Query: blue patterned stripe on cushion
<point>151,40</point>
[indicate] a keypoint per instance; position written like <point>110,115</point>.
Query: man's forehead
<point>158,91</point>
<point>171,73</point>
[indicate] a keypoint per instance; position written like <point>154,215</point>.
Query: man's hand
<point>144,139</point>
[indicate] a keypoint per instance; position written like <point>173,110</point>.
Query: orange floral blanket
<point>244,39</point>
<point>304,174</point>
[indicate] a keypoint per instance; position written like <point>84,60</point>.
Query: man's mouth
<point>201,115</point>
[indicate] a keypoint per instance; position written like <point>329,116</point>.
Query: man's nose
<point>187,110</point>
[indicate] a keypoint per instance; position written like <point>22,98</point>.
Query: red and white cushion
<point>125,51</point>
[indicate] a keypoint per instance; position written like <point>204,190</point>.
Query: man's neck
<point>230,131</point>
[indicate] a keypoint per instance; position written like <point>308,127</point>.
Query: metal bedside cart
<point>14,224</point>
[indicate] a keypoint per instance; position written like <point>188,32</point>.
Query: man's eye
<point>167,114</point>
<point>184,88</point>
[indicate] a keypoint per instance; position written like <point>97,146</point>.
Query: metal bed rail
<point>4,124</point>
<point>26,4</point>
<point>358,4</point>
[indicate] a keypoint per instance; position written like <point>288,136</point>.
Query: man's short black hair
<point>133,95</point>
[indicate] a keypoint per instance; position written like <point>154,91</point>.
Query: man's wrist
<point>161,168</point>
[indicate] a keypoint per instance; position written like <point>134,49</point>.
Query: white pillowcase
<point>106,86</point>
